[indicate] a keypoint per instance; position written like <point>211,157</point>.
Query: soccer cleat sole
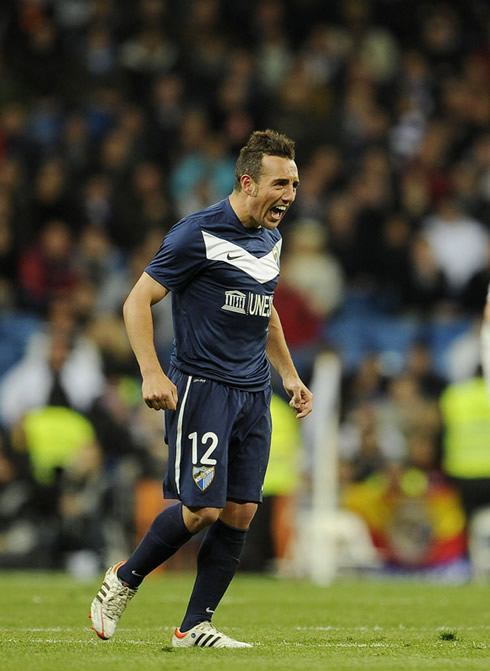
<point>104,638</point>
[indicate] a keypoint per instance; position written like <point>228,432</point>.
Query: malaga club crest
<point>203,476</point>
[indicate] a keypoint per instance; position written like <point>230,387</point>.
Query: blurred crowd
<point>117,118</point>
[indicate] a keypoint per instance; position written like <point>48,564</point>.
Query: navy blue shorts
<point>218,441</point>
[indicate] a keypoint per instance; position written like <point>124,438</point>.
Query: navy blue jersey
<point>222,276</point>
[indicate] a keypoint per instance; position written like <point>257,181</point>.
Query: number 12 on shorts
<point>208,438</point>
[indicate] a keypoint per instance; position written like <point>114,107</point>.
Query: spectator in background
<point>61,367</point>
<point>97,206</point>
<point>463,178</point>
<point>15,141</point>
<point>373,44</point>
<point>166,111</point>
<point>273,50</point>
<point>66,463</point>
<point>75,146</point>
<point>474,296</point>
<point>97,259</point>
<point>441,40</point>
<point>146,204</point>
<point>343,239</point>
<point>367,384</point>
<point>404,410</point>
<point>99,51</point>
<point>202,173</point>
<point>37,54</point>
<point>148,53</point>
<point>414,195</point>
<point>419,362</point>
<point>459,244</point>
<point>466,441</point>
<point>51,198</point>
<point>393,259</point>
<point>47,270</point>
<point>426,292</point>
<point>322,175</point>
<point>239,94</point>
<point>311,269</point>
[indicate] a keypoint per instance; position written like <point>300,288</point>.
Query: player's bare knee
<point>196,519</point>
<point>238,515</point>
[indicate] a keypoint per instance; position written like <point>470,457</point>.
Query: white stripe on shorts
<point>178,442</point>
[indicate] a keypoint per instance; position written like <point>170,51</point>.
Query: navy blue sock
<point>217,562</point>
<point>165,536</point>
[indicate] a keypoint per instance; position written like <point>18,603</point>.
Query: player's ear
<point>248,185</point>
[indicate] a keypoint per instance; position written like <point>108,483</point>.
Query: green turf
<point>353,624</point>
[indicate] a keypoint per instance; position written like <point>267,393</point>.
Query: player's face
<point>275,191</point>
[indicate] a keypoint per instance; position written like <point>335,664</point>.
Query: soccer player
<point>221,266</point>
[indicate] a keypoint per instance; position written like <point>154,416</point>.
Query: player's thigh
<point>249,450</point>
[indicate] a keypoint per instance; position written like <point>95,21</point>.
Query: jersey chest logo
<point>263,269</point>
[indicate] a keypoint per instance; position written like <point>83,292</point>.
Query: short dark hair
<point>261,143</point>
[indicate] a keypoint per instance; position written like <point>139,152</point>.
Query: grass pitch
<point>352,624</point>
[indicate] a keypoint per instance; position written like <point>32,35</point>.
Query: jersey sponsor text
<point>257,305</point>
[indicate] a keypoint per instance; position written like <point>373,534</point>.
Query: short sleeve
<point>180,257</point>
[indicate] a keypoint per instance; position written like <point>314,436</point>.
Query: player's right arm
<point>159,392</point>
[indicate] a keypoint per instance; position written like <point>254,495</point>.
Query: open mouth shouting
<point>277,212</point>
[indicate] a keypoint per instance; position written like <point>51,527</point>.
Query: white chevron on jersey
<point>262,269</point>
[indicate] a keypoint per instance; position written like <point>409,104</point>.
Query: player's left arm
<point>279,356</point>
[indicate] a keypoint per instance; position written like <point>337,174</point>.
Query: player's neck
<point>239,204</point>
